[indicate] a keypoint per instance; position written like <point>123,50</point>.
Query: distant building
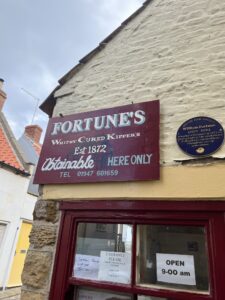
<point>30,145</point>
<point>17,196</point>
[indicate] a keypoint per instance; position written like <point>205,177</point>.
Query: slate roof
<point>37,148</point>
<point>30,149</point>
<point>31,152</point>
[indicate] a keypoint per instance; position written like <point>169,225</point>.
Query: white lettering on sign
<point>175,268</point>
<point>115,267</point>
<point>125,160</point>
<point>84,139</point>
<point>122,119</point>
<point>58,164</point>
<point>88,162</point>
<point>86,266</point>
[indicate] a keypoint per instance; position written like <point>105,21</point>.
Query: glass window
<point>93,294</point>
<point>141,250</point>
<point>172,257</point>
<point>2,232</point>
<point>103,252</point>
<point>151,298</point>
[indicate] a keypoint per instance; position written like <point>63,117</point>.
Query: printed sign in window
<point>88,294</point>
<point>174,268</point>
<point>115,267</point>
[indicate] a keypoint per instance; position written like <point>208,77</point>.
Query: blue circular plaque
<point>200,136</point>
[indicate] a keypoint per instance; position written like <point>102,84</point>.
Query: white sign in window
<point>84,294</point>
<point>151,298</point>
<point>175,268</point>
<point>86,266</point>
<point>115,267</point>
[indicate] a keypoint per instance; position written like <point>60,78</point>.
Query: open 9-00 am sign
<point>174,268</point>
<point>115,144</point>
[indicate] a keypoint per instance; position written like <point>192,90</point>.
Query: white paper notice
<point>175,268</point>
<point>86,266</point>
<point>115,267</point>
<point>93,295</point>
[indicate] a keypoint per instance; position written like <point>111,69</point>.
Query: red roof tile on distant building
<point>11,156</point>
<point>6,152</point>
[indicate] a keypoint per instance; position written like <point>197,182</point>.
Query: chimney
<point>33,132</point>
<point>2,94</point>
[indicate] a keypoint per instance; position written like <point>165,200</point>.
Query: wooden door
<point>20,255</point>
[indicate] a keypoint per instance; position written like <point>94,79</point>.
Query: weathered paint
<point>180,182</point>
<point>173,51</point>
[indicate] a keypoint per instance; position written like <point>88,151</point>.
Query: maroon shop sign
<point>116,144</point>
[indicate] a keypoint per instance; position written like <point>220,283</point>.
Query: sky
<point>40,41</point>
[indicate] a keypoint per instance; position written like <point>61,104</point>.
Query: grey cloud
<point>42,40</point>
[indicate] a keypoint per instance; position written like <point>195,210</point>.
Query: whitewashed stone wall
<point>173,51</point>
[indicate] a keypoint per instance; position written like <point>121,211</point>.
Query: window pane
<point>2,232</point>
<point>172,257</point>
<point>151,298</point>
<point>93,294</point>
<point>103,252</point>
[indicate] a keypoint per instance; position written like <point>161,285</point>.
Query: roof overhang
<point>13,169</point>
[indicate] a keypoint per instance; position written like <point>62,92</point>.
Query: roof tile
<point>7,154</point>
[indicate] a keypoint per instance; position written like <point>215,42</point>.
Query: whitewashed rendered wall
<point>174,51</point>
<point>15,205</point>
